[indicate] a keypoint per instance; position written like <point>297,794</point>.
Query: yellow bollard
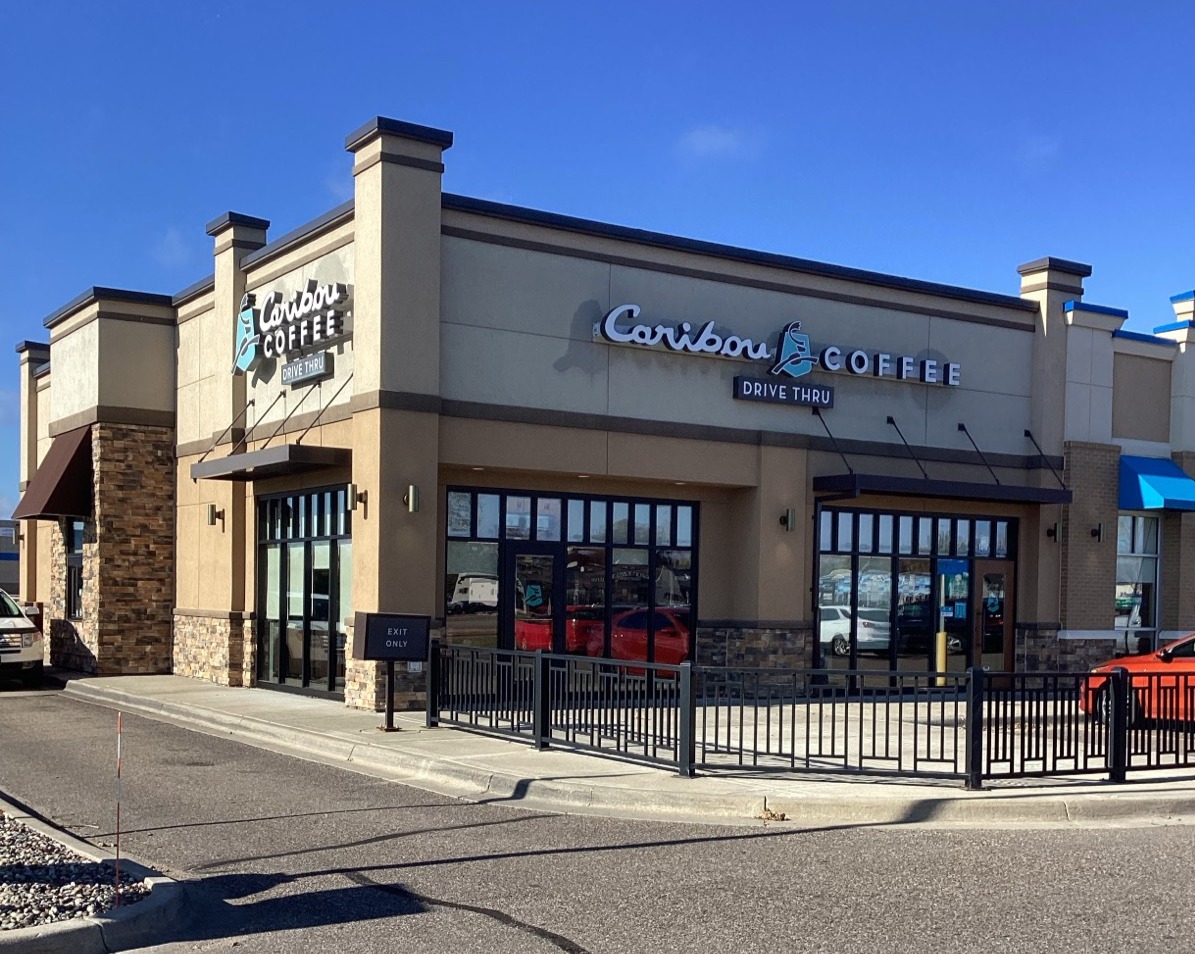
<point>940,658</point>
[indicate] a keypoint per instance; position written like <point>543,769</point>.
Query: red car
<point>1162,684</point>
<point>628,636</point>
<point>582,627</point>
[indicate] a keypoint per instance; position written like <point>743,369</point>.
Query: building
<point>10,556</point>
<point>545,432</point>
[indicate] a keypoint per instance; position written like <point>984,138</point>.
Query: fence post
<point>542,701</point>
<point>686,752</point>
<point>1118,725</point>
<point>433,685</point>
<point>975,694</point>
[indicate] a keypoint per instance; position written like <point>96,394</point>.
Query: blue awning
<point>1154,483</point>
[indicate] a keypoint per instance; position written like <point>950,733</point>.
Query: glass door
<point>533,603</point>
<point>992,634</point>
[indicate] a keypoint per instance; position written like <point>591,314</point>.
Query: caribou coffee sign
<point>311,318</point>
<point>793,357</point>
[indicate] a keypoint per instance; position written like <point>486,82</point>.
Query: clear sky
<point>949,141</point>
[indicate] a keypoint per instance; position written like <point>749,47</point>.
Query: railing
<point>973,726</point>
<point>640,711</point>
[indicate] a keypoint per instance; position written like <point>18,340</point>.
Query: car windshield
<point>8,608</point>
<point>875,615</point>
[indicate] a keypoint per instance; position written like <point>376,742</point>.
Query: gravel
<point>41,881</point>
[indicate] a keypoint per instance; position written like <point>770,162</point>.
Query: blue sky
<point>941,140</point>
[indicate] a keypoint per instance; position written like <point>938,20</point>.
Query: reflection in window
<point>487,516</point>
<point>547,523</point>
<point>460,516</point>
<point>962,530</point>
<point>576,521</point>
<point>663,525</point>
<point>1136,580</point>
<point>885,541</point>
<point>642,523</point>
<point>865,532</point>
<point>597,521</point>
<point>585,592</point>
<point>684,526</point>
<point>471,593</point>
<point>622,519</point>
<point>518,518</point>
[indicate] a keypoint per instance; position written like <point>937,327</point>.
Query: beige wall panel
<point>188,532</point>
<point>717,558</point>
<point>512,446</point>
<point>76,370</point>
<point>992,360</point>
<point>336,242</point>
<point>1141,398</point>
<point>725,267</point>
<point>45,561</point>
<point>264,383</point>
<point>521,370</point>
<point>188,359</point>
<point>534,293</point>
<point>43,421</point>
<point>137,363</point>
<point>781,588</point>
<point>996,422</point>
<point>671,458</point>
<point>189,417</point>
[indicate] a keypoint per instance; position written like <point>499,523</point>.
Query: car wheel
<point>840,646</point>
<point>1103,708</point>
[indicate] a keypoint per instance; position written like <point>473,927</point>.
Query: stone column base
<point>743,646</point>
<point>211,648</point>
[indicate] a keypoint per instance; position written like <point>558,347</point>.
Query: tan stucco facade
<point>468,355</point>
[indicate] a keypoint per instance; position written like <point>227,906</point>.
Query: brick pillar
<point>133,558</point>
<point>1088,563</point>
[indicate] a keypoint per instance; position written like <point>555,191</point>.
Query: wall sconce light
<point>1098,532</point>
<point>1052,532</point>
<point>411,498</point>
<point>355,496</point>
<point>212,515</point>
<point>788,519</point>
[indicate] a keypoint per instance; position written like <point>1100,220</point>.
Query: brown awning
<point>271,462</point>
<point>61,486</point>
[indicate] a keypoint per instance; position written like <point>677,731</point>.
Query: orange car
<point>628,636</point>
<point>1162,683</point>
<point>583,626</point>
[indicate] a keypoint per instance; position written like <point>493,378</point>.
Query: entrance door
<point>992,634</point>
<point>532,614</point>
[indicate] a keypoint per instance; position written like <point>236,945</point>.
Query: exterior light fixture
<point>1098,532</point>
<point>1052,532</point>
<point>788,519</point>
<point>211,515</point>
<point>355,496</point>
<point>411,498</point>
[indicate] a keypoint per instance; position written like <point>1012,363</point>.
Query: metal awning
<point>856,485</point>
<point>61,485</point>
<point>271,462</point>
<point>1154,483</point>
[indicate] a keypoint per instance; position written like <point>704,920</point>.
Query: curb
<point>837,806</point>
<point>137,925</point>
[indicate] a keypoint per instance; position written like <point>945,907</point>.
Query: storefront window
<point>914,612</point>
<point>304,588</point>
<point>1136,580</point>
<point>73,531</point>
<point>610,577</point>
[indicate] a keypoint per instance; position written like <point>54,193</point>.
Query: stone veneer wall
<point>1089,564</point>
<point>210,646</point>
<point>72,642</point>
<point>739,645</point>
<point>365,682</point>
<point>133,558</point>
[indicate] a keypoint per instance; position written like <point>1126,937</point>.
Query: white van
<point>474,592</point>
<point>20,643</point>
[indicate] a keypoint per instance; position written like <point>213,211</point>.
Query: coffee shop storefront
<point>552,433</point>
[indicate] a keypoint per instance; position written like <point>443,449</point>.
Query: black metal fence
<point>972,726</point>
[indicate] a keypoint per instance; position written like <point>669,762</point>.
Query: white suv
<point>20,643</point>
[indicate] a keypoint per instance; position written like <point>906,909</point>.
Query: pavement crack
<point>556,940</point>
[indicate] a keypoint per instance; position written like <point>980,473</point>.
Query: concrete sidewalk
<point>479,768</point>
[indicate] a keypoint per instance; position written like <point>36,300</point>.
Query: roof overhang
<point>61,485</point>
<point>856,485</point>
<point>271,462</point>
<point>1154,483</point>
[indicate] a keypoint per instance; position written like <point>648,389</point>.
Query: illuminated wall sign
<point>793,356</point>
<point>311,317</point>
<point>312,367</point>
<point>782,392</point>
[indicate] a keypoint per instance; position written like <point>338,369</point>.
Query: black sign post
<point>387,637</point>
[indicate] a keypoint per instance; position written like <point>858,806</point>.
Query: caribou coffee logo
<point>793,356</point>
<point>311,317</point>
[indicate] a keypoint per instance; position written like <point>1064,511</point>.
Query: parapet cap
<point>380,125</point>
<point>35,349</point>
<point>1054,265</point>
<point>230,219</point>
<point>97,293</point>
